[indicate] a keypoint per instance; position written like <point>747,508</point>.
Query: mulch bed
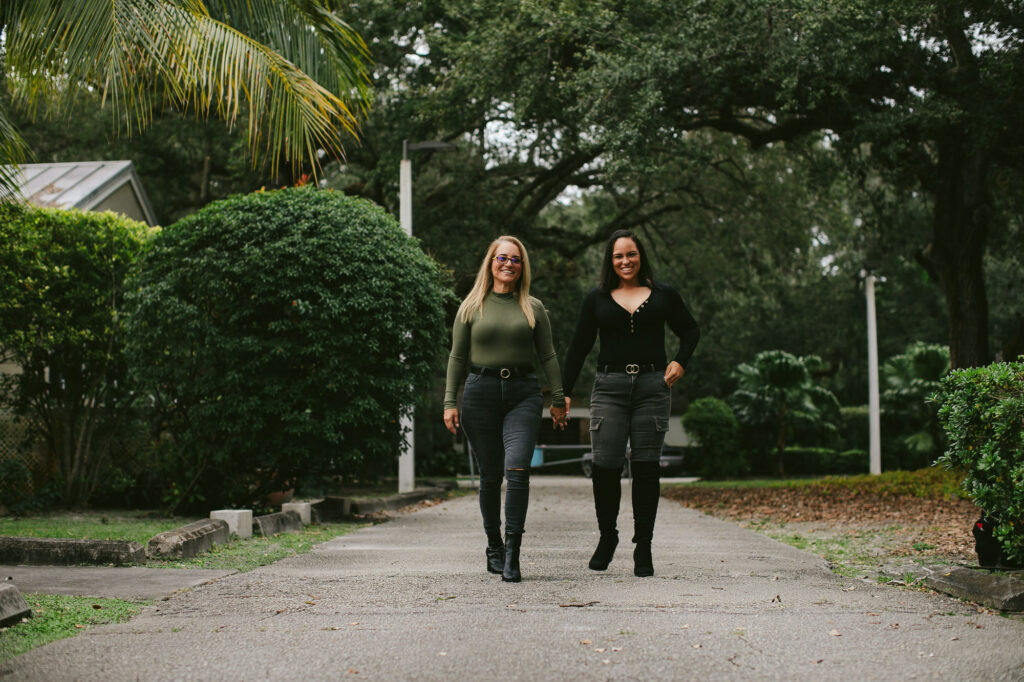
<point>932,530</point>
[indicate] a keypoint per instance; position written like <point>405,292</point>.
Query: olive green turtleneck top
<point>501,337</point>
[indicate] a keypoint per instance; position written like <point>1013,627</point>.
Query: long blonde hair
<point>473,305</point>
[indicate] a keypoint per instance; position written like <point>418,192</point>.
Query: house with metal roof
<point>88,186</point>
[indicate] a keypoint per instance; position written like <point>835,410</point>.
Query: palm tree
<point>777,390</point>
<point>291,68</point>
<point>908,382</point>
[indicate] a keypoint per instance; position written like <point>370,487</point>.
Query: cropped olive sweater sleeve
<point>501,337</point>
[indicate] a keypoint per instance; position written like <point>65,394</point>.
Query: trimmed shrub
<point>280,335</point>
<point>712,423</point>
<point>982,412</point>
<point>62,282</point>
<point>854,427</point>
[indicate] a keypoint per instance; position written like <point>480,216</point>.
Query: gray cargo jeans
<point>501,419</point>
<point>631,408</point>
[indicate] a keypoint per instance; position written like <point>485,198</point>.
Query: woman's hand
<point>558,417</point>
<point>451,419</point>
<point>673,373</point>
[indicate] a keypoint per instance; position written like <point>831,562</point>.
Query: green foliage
<point>280,334</point>
<point>62,276</point>
<point>295,68</point>
<point>713,424</point>
<point>854,427</point>
<point>57,617</point>
<point>800,460</point>
<point>982,412</point>
<point>913,437</point>
<point>778,390</point>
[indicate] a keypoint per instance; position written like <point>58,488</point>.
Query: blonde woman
<point>497,330</point>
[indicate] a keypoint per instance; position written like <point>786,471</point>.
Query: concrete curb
<point>1003,592</point>
<point>337,507</point>
<point>278,522</point>
<point>13,606</point>
<point>65,551</point>
<point>189,540</point>
<point>369,505</point>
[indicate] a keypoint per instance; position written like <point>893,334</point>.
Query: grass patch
<point>56,617</point>
<point>245,555</point>
<point>92,525</point>
<point>933,483</point>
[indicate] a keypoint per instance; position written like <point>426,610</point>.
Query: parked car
<point>671,462</point>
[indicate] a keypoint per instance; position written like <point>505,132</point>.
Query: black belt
<point>502,372</point>
<point>631,368</point>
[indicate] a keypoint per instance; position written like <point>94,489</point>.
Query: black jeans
<point>631,408</point>
<point>501,419</point>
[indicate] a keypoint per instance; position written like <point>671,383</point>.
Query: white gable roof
<point>84,185</point>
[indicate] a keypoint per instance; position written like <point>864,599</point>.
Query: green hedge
<point>62,311</point>
<point>982,412</point>
<point>712,423</point>
<point>279,335</point>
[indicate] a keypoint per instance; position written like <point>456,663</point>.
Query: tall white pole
<point>874,411</point>
<point>407,458</point>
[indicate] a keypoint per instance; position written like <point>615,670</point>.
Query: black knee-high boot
<point>607,494</point>
<point>646,491</point>
<point>490,510</point>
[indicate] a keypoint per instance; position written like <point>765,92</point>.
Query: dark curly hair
<point>609,279</point>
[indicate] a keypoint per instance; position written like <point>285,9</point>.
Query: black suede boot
<point>511,574</point>
<point>607,494</point>
<point>646,492</point>
<point>495,553</point>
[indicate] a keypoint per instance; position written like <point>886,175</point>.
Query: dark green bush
<point>982,412</point>
<point>712,423</point>
<point>62,281</point>
<point>854,427</point>
<point>279,335</point>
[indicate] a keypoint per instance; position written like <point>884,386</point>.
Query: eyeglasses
<point>514,260</point>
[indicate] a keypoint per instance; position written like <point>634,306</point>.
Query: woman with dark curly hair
<point>630,402</point>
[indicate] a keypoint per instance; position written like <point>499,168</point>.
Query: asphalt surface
<point>410,600</point>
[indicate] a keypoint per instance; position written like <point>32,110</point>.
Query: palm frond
<point>12,153</point>
<point>139,53</point>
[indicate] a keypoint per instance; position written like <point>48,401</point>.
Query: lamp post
<point>407,458</point>
<point>874,411</point>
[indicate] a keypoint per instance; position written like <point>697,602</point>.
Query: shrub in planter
<point>280,335</point>
<point>712,423</point>
<point>982,412</point>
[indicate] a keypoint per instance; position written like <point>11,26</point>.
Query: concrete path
<point>410,600</point>
<point>119,582</point>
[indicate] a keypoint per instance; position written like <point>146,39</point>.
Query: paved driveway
<point>410,600</point>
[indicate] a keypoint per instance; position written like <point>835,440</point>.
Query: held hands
<point>451,419</point>
<point>559,416</point>
<point>673,373</point>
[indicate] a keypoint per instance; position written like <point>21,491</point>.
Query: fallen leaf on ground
<point>835,633</point>
<point>585,642</point>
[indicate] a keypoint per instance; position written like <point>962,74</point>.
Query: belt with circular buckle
<point>501,372</point>
<point>631,368</point>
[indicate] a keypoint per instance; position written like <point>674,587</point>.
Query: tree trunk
<point>963,210</point>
